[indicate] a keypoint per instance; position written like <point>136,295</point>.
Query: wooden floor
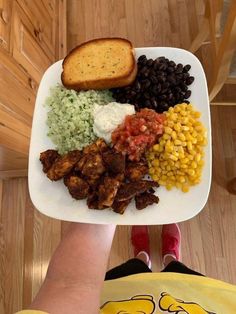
<point>27,238</point>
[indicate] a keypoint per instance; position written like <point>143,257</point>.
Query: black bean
<point>154,103</point>
<point>163,97</point>
<point>172,64</point>
<point>137,86</point>
<point>183,86</point>
<point>156,65</point>
<point>179,68</point>
<point>187,102</point>
<point>146,95</point>
<point>149,63</point>
<point>142,58</point>
<point>187,68</point>
<point>148,103</point>
<point>185,75</point>
<point>179,76</point>
<point>189,80</point>
<point>153,79</point>
<point>143,70</point>
<point>187,94</point>
<point>170,69</point>
<point>162,67</point>
<point>161,59</point>
<point>133,93</point>
<point>171,79</point>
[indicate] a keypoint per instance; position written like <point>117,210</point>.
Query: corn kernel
<point>177,127</point>
<point>181,179</point>
<point>185,188</point>
<point>156,147</point>
<point>155,177</point>
<point>191,172</point>
<point>173,157</point>
<point>189,145</point>
<point>151,170</point>
<point>168,130</point>
<point>182,137</point>
<point>198,157</point>
<point>155,162</point>
<point>169,187</point>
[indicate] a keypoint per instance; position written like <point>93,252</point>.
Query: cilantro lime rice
<point>70,119</point>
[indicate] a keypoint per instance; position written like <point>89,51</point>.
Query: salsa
<point>138,132</point>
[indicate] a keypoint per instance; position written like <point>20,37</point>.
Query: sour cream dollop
<point>108,117</point>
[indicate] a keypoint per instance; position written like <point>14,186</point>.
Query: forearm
<point>77,267</point>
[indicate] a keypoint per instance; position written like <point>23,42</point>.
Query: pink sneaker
<point>140,241</point>
<point>171,239</point>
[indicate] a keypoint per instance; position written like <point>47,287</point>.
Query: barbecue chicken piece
<point>92,200</point>
<point>129,190</point>
<point>101,144</point>
<point>93,167</point>
<point>114,162</point>
<point>135,171</point>
<point>107,191</point>
<point>77,187</point>
<point>47,159</point>
<point>120,207</point>
<point>97,147</point>
<point>145,199</point>
<point>63,165</point>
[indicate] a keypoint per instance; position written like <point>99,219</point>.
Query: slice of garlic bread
<point>100,64</point>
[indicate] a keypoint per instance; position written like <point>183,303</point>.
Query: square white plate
<point>53,199</point>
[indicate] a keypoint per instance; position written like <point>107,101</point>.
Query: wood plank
<point>2,251</point>
<point>11,160</point>
<point>10,139</point>
<point>28,251</point>
<point>61,29</point>
<point>11,120</point>
<point>12,244</point>
<point>12,81</point>
<point>43,23</point>
<point>13,174</point>
<point>26,47</point>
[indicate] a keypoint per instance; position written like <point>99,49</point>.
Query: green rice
<point>70,119</point>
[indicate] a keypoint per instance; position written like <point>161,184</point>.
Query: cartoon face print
<point>140,304</point>
<point>169,304</point>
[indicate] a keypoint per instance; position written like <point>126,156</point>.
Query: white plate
<point>53,199</point>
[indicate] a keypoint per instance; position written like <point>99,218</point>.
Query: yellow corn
<point>177,160</point>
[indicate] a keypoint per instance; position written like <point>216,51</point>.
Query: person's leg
<point>141,263</point>
<point>171,246</point>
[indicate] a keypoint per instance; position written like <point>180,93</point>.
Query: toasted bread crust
<point>119,80</point>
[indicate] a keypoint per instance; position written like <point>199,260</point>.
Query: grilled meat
<point>145,199</point>
<point>93,166</point>
<point>97,147</point>
<point>92,200</point>
<point>135,171</point>
<point>77,187</point>
<point>129,190</point>
<point>120,207</point>
<point>63,165</point>
<point>47,159</point>
<point>107,191</point>
<point>114,162</point>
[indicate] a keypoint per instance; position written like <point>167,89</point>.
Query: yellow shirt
<point>158,293</point>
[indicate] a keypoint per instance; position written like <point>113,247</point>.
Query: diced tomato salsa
<point>138,132</point>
